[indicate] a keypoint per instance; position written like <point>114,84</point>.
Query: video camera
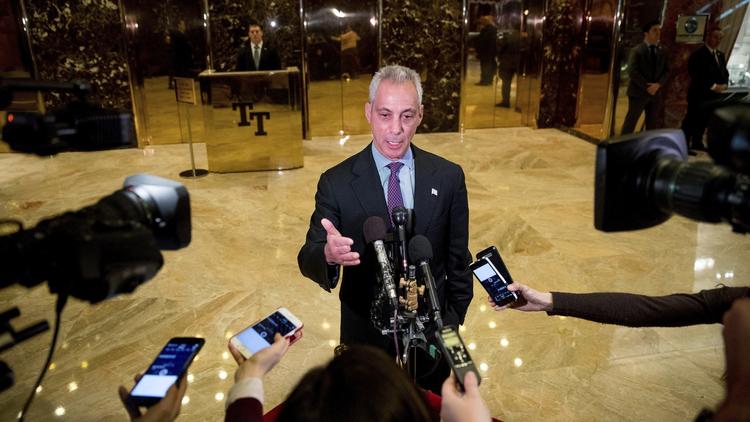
<point>101,250</point>
<point>642,179</point>
<point>78,126</point>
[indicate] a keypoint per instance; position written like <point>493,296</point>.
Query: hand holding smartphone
<point>259,335</point>
<point>166,370</point>
<point>492,274</point>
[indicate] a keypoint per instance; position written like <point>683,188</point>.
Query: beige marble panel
<point>530,193</point>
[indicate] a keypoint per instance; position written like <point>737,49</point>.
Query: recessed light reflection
<point>483,367</point>
<point>39,389</point>
<point>472,346</point>
<point>52,366</point>
<point>517,362</point>
<point>72,386</point>
<point>562,317</point>
<point>504,342</point>
<point>703,263</point>
<point>185,400</point>
<point>59,411</point>
<point>729,274</point>
<point>342,141</point>
<point>482,308</point>
<point>492,324</point>
<point>461,329</point>
<point>223,374</point>
<point>332,343</point>
<point>225,355</point>
<point>85,364</point>
<point>325,325</point>
<point>219,396</point>
<point>228,335</point>
<point>191,378</point>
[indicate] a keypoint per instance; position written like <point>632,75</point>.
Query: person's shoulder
<point>437,161</point>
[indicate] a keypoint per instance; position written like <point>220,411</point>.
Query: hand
<point>737,349</point>
<point>259,364</point>
<point>652,88</point>
<point>530,300</point>
<point>467,406</point>
<point>718,88</point>
<point>166,410</point>
<point>338,248</point>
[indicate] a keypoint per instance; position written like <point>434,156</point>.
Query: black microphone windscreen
<point>399,215</point>
<point>374,228</point>
<point>420,248</point>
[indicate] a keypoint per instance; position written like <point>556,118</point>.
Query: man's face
<point>653,35</point>
<point>255,34</point>
<point>394,116</point>
<point>714,39</point>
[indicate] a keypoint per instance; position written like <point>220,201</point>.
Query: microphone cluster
<point>402,286</point>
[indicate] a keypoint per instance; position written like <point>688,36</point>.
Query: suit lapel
<point>426,190</point>
<point>366,185</point>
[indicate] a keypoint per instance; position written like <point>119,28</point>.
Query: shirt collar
<point>260,45</point>
<point>381,161</point>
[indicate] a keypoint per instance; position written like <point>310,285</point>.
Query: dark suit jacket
<point>269,58</point>
<point>704,72</point>
<point>641,72</point>
<point>351,192</point>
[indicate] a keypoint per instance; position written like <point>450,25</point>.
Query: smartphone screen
<point>493,282</point>
<point>260,335</point>
<point>167,368</point>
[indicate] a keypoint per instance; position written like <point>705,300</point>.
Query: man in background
<point>648,71</point>
<point>256,54</point>
<point>707,67</point>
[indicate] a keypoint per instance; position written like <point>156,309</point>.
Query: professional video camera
<point>78,126</point>
<point>101,250</point>
<point>642,179</point>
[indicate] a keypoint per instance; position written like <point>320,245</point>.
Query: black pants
<point>430,372</point>
<point>636,106</point>
<point>695,122</point>
<point>487,69</point>
<point>506,76</point>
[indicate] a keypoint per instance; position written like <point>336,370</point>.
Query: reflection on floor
<point>530,195</point>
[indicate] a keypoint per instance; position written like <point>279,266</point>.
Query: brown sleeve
<point>633,310</point>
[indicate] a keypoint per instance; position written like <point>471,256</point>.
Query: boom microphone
<point>420,251</point>
<point>375,231</point>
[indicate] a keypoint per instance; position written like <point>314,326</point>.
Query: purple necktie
<point>394,188</point>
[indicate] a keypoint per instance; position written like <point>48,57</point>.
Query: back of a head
<point>361,384</point>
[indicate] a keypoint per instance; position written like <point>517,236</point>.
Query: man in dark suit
<point>257,54</point>
<point>362,186</point>
<point>707,67</point>
<point>648,71</point>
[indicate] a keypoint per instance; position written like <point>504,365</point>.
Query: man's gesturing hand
<point>338,248</point>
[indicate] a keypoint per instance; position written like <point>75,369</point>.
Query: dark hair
<point>255,23</point>
<point>650,24</point>
<point>360,384</point>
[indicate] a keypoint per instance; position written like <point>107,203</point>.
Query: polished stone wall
<point>562,40</point>
<point>80,39</point>
<point>426,36</point>
<point>228,20</point>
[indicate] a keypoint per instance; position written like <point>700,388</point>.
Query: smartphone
<point>456,353</point>
<point>493,281</point>
<point>167,369</point>
<point>260,334</point>
<point>494,256</point>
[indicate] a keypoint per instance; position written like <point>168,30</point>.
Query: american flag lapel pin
<point>434,192</point>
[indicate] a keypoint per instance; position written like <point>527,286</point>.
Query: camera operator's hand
<point>530,300</point>
<point>259,364</point>
<point>166,410</point>
<point>467,406</point>
<point>736,407</point>
<point>338,249</point>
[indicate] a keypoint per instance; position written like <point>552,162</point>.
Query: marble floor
<point>530,194</point>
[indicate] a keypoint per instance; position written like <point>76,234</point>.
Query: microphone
<point>375,230</point>
<point>399,216</point>
<point>420,250</point>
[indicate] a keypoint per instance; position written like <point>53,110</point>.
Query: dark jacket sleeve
<point>311,258</point>
<point>459,286</point>
<point>633,310</point>
<point>244,410</point>
<point>636,69</point>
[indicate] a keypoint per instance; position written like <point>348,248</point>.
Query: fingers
<point>329,227</point>
<point>280,344</point>
<point>471,384</point>
<point>449,386</point>
<point>236,354</point>
<point>130,407</point>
